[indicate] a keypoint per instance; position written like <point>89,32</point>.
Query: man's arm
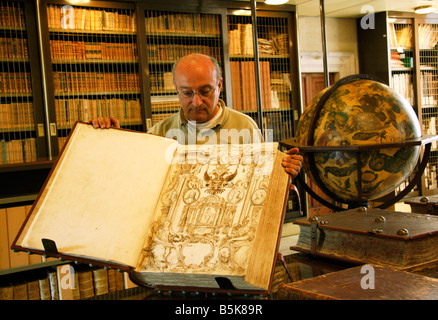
<point>293,162</point>
<point>105,122</point>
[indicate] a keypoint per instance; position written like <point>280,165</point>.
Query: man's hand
<point>293,162</point>
<point>105,122</point>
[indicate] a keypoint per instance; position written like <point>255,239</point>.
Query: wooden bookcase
<point>274,37</point>
<point>91,62</point>
<point>168,33</point>
<point>402,51</point>
<point>119,62</point>
<point>225,33</point>
<point>21,106</point>
<point>23,149</point>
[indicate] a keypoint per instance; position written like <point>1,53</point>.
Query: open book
<point>173,215</point>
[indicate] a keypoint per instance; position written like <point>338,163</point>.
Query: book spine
<point>88,283</point>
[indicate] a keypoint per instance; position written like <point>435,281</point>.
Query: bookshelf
<point>408,45</point>
<point>169,35</point>
<point>276,33</point>
<point>20,99</point>
<point>93,65</point>
<point>64,280</point>
<point>275,54</point>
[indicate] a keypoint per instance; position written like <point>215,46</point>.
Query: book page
<point>100,200</point>
<point>210,209</point>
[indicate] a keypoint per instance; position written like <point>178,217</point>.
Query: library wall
<point>341,34</point>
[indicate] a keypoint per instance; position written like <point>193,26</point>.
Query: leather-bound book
<point>366,282</point>
<point>86,285</point>
<point>398,240</point>
<point>100,278</point>
<point>423,204</point>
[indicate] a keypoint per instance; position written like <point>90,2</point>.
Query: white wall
<point>341,35</point>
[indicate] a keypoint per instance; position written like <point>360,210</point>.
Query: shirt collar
<point>220,122</point>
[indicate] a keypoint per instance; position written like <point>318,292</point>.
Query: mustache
<point>192,107</point>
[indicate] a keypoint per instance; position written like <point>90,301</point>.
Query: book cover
<point>398,240</point>
<point>367,282</point>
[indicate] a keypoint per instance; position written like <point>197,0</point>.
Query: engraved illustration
<point>219,179</point>
<point>210,223</point>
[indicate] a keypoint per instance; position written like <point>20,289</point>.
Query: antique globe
<point>358,111</point>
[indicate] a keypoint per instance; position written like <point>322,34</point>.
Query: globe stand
<point>310,150</point>
<point>425,141</point>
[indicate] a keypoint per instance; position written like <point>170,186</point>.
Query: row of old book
<point>401,36</point>
<point>64,282</point>
<point>15,82</point>
<point>17,115</point>
<point>95,82</point>
<point>18,151</point>
<point>243,85</point>
<point>241,42</point>
<point>428,36</point>
<point>402,84</point>
<point>430,126</point>
<point>161,81</point>
<point>182,23</point>
<point>11,15</point>
<point>280,126</point>
<point>77,18</point>
<point>13,48</point>
<point>68,111</point>
<point>429,88</point>
<point>430,181</point>
<point>40,283</point>
<point>63,49</point>
<point>166,52</point>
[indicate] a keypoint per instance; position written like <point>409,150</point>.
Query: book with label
<point>174,216</point>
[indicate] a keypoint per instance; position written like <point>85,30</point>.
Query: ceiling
<point>352,8</point>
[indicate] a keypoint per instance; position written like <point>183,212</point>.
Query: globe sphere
<point>353,112</point>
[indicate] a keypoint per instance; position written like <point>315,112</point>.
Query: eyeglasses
<point>205,93</point>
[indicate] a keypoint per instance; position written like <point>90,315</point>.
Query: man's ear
<point>219,85</point>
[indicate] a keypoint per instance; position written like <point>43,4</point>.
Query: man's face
<point>198,77</point>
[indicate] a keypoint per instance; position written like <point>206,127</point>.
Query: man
<point>203,117</point>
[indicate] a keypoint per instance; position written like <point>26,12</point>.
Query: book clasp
<point>313,234</point>
<point>49,246</point>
